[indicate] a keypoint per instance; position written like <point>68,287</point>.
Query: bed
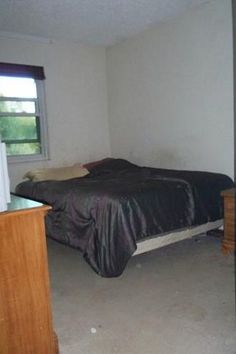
<point>120,209</point>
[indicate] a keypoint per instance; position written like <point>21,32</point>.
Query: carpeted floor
<point>178,299</point>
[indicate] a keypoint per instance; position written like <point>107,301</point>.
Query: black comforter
<point>105,213</point>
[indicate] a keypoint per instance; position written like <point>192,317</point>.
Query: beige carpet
<point>178,299</point>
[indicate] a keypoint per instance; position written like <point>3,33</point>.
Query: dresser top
<point>229,193</point>
<point>19,204</point>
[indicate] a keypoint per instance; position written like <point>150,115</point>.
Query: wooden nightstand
<point>229,240</point>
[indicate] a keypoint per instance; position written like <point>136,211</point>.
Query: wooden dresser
<point>25,307</point>
<point>229,240</point>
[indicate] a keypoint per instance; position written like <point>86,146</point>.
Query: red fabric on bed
<point>92,164</point>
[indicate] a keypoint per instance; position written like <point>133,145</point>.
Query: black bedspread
<point>105,213</point>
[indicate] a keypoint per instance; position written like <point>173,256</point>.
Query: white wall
<point>76,98</point>
<point>170,95</point>
<point>170,92</point>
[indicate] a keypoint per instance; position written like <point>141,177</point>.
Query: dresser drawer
<point>229,205</point>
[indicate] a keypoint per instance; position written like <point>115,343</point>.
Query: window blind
<point>18,70</point>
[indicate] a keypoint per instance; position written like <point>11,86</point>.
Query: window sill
<point>26,158</point>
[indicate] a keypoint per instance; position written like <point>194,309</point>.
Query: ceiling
<point>97,22</point>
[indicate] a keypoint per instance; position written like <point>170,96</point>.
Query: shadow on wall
<point>162,158</point>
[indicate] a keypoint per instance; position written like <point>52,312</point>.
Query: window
<point>22,111</point>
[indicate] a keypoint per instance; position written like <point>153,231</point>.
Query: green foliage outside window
<point>15,131</point>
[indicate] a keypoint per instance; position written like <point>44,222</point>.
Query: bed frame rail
<point>168,238</point>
